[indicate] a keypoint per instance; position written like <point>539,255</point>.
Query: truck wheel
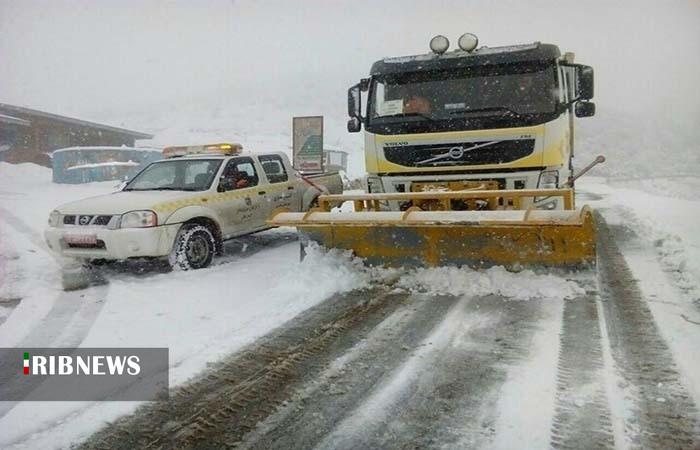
<point>194,247</point>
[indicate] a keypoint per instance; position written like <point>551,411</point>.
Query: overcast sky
<point>111,60</point>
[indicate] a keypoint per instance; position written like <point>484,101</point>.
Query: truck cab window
<point>239,174</point>
<point>274,168</point>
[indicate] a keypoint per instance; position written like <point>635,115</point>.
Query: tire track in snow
<point>71,316</point>
<point>72,313</point>
<point>345,382</point>
<point>582,417</point>
<point>445,392</point>
<point>665,415</point>
<point>229,400</point>
<point>428,370</point>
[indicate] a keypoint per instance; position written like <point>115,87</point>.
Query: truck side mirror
<point>354,125</point>
<point>584,76</point>
<point>354,104</point>
<point>584,109</point>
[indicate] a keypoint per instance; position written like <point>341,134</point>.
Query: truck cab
<point>185,206</point>
<point>499,117</point>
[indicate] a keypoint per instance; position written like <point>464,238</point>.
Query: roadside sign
<point>307,143</point>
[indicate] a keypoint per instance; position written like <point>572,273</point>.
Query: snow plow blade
<point>415,237</point>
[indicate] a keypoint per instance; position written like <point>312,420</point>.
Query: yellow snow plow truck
<point>469,155</point>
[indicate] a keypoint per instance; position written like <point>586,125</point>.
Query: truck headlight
<point>548,180</point>
<point>139,219</point>
<point>374,185</point>
<point>54,218</point>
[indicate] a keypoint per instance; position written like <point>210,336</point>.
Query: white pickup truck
<point>185,206</point>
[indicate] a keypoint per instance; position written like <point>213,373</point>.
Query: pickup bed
<point>185,207</point>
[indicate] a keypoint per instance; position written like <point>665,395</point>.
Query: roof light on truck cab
<point>222,148</point>
<point>439,44</point>
<point>468,42</point>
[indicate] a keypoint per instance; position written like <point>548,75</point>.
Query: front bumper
<point>507,180</point>
<point>113,244</point>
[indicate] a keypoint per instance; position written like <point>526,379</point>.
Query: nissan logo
<point>84,220</point>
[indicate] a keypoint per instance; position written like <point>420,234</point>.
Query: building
<point>88,164</point>
<point>28,135</point>
<point>335,160</point>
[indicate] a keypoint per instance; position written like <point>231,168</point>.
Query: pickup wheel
<point>194,247</point>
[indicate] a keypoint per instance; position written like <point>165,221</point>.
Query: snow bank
<point>524,285</point>
<point>27,192</point>
<point>662,211</point>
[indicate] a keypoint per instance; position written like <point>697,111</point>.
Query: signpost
<point>307,144</point>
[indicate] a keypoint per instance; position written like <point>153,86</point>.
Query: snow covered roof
<point>20,110</point>
<point>13,120</point>
<point>142,149</point>
<point>104,164</point>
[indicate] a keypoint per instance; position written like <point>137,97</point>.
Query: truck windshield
<point>176,175</point>
<point>464,93</point>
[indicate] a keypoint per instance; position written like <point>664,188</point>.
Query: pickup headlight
<point>54,218</point>
<point>548,180</point>
<point>139,219</point>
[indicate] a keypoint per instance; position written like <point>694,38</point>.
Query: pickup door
<point>281,192</point>
<point>242,205</point>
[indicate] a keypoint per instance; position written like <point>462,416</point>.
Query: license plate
<point>80,239</point>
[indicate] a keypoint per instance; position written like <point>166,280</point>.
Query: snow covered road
<point>330,353</point>
<point>411,367</point>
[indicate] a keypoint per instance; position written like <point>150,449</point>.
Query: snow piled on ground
<point>662,212</point>
<point>497,280</point>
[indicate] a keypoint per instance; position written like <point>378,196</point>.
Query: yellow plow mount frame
<point>509,235</point>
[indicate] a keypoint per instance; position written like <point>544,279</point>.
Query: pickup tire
<point>194,247</point>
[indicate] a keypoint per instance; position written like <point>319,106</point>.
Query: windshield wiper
<point>408,114</point>
<point>480,110</point>
<point>154,189</point>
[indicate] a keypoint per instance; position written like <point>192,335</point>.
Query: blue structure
<point>75,165</point>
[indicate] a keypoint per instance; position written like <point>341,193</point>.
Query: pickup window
<point>274,168</point>
<point>239,173</point>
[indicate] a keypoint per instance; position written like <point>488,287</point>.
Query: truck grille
<point>460,154</point>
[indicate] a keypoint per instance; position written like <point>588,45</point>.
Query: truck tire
<point>194,247</point>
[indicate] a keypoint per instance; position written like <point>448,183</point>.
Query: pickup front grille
<point>101,220</point>
<point>87,219</point>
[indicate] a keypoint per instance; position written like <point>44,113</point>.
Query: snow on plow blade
<point>416,237</point>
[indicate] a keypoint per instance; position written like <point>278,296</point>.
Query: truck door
<point>282,193</point>
<point>242,205</point>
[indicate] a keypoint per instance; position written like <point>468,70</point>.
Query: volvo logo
<point>84,220</point>
<point>456,152</point>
